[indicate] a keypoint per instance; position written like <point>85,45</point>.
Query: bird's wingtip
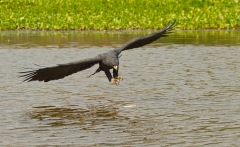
<point>170,25</point>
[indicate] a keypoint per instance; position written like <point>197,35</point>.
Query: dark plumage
<point>106,61</point>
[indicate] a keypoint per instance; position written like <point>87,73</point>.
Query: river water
<point>182,90</point>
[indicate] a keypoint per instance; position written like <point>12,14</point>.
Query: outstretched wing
<point>60,71</point>
<point>144,40</point>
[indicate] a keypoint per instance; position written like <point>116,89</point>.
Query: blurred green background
<point>118,14</point>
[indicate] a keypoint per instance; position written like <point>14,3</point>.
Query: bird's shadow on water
<point>72,115</point>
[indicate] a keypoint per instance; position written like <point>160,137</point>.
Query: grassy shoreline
<point>118,14</point>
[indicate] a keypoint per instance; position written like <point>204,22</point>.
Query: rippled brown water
<point>183,90</point>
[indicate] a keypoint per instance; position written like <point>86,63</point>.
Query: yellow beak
<point>115,67</point>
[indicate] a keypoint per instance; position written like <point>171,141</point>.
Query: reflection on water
<point>182,90</point>
<point>63,116</point>
<point>88,39</point>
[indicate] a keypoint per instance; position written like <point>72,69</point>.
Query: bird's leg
<point>98,70</point>
<point>109,76</point>
<point>117,78</point>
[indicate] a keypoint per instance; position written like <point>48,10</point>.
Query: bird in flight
<point>106,61</point>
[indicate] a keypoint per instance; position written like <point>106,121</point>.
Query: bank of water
<point>182,90</point>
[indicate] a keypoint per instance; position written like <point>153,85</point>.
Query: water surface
<point>183,90</point>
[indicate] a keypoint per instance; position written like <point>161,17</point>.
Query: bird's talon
<point>112,80</point>
<point>115,81</point>
<point>119,78</point>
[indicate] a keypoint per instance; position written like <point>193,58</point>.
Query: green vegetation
<point>118,14</point>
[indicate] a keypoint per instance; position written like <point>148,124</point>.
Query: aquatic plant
<point>118,14</point>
